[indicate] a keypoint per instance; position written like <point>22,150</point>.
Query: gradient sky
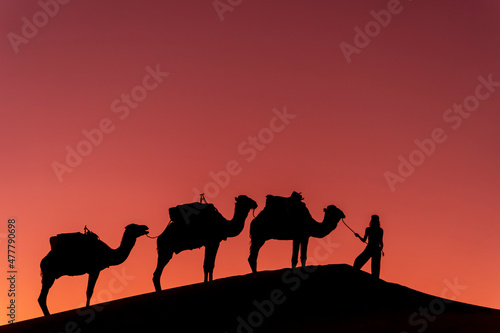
<point>352,122</point>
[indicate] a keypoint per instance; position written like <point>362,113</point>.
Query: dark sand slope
<point>332,298</point>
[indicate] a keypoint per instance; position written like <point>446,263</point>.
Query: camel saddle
<point>276,202</point>
<point>184,213</point>
<point>193,224</point>
<point>72,240</point>
<point>291,205</point>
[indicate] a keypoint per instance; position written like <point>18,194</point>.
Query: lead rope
<point>349,227</point>
<point>355,234</point>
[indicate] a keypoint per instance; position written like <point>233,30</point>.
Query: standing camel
<point>289,219</point>
<point>196,225</point>
<point>78,254</point>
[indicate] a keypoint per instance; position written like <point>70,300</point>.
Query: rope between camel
<point>153,237</point>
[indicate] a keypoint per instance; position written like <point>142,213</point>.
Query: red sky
<point>350,124</point>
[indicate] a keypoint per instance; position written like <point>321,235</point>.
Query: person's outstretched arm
<point>365,237</point>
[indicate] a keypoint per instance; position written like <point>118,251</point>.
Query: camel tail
<point>43,265</point>
<point>41,273</point>
<point>251,244</point>
<point>255,242</point>
<point>254,226</point>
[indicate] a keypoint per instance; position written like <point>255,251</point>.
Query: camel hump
<point>286,204</point>
<point>63,242</point>
<point>186,213</point>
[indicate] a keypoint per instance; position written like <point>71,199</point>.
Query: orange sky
<point>353,116</point>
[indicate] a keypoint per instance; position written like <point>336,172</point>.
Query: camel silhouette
<point>83,253</point>
<point>289,219</point>
<point>195,225</point>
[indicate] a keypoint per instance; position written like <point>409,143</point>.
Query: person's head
<point>375,221</point>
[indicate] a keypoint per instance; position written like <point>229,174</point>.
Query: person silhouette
<point>374,233</point>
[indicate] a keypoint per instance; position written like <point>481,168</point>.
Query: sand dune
<point>332,298</point>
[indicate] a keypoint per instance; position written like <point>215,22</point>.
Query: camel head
<point>245,202</point>
<point>333,213</point>
<point>136,230</point>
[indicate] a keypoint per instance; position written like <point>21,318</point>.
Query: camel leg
<point>255,246</point>
<point>295,252</point>
<point>303,251</point>
<point>209,263</point>
<point>47,282</point>
<point>163,259</point>
<point>91,284</point>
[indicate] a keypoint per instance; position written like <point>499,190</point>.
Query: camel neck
<point>123,251</point>
<point>320,230</point>
<point>238,221</point>
<point>240,213</point>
